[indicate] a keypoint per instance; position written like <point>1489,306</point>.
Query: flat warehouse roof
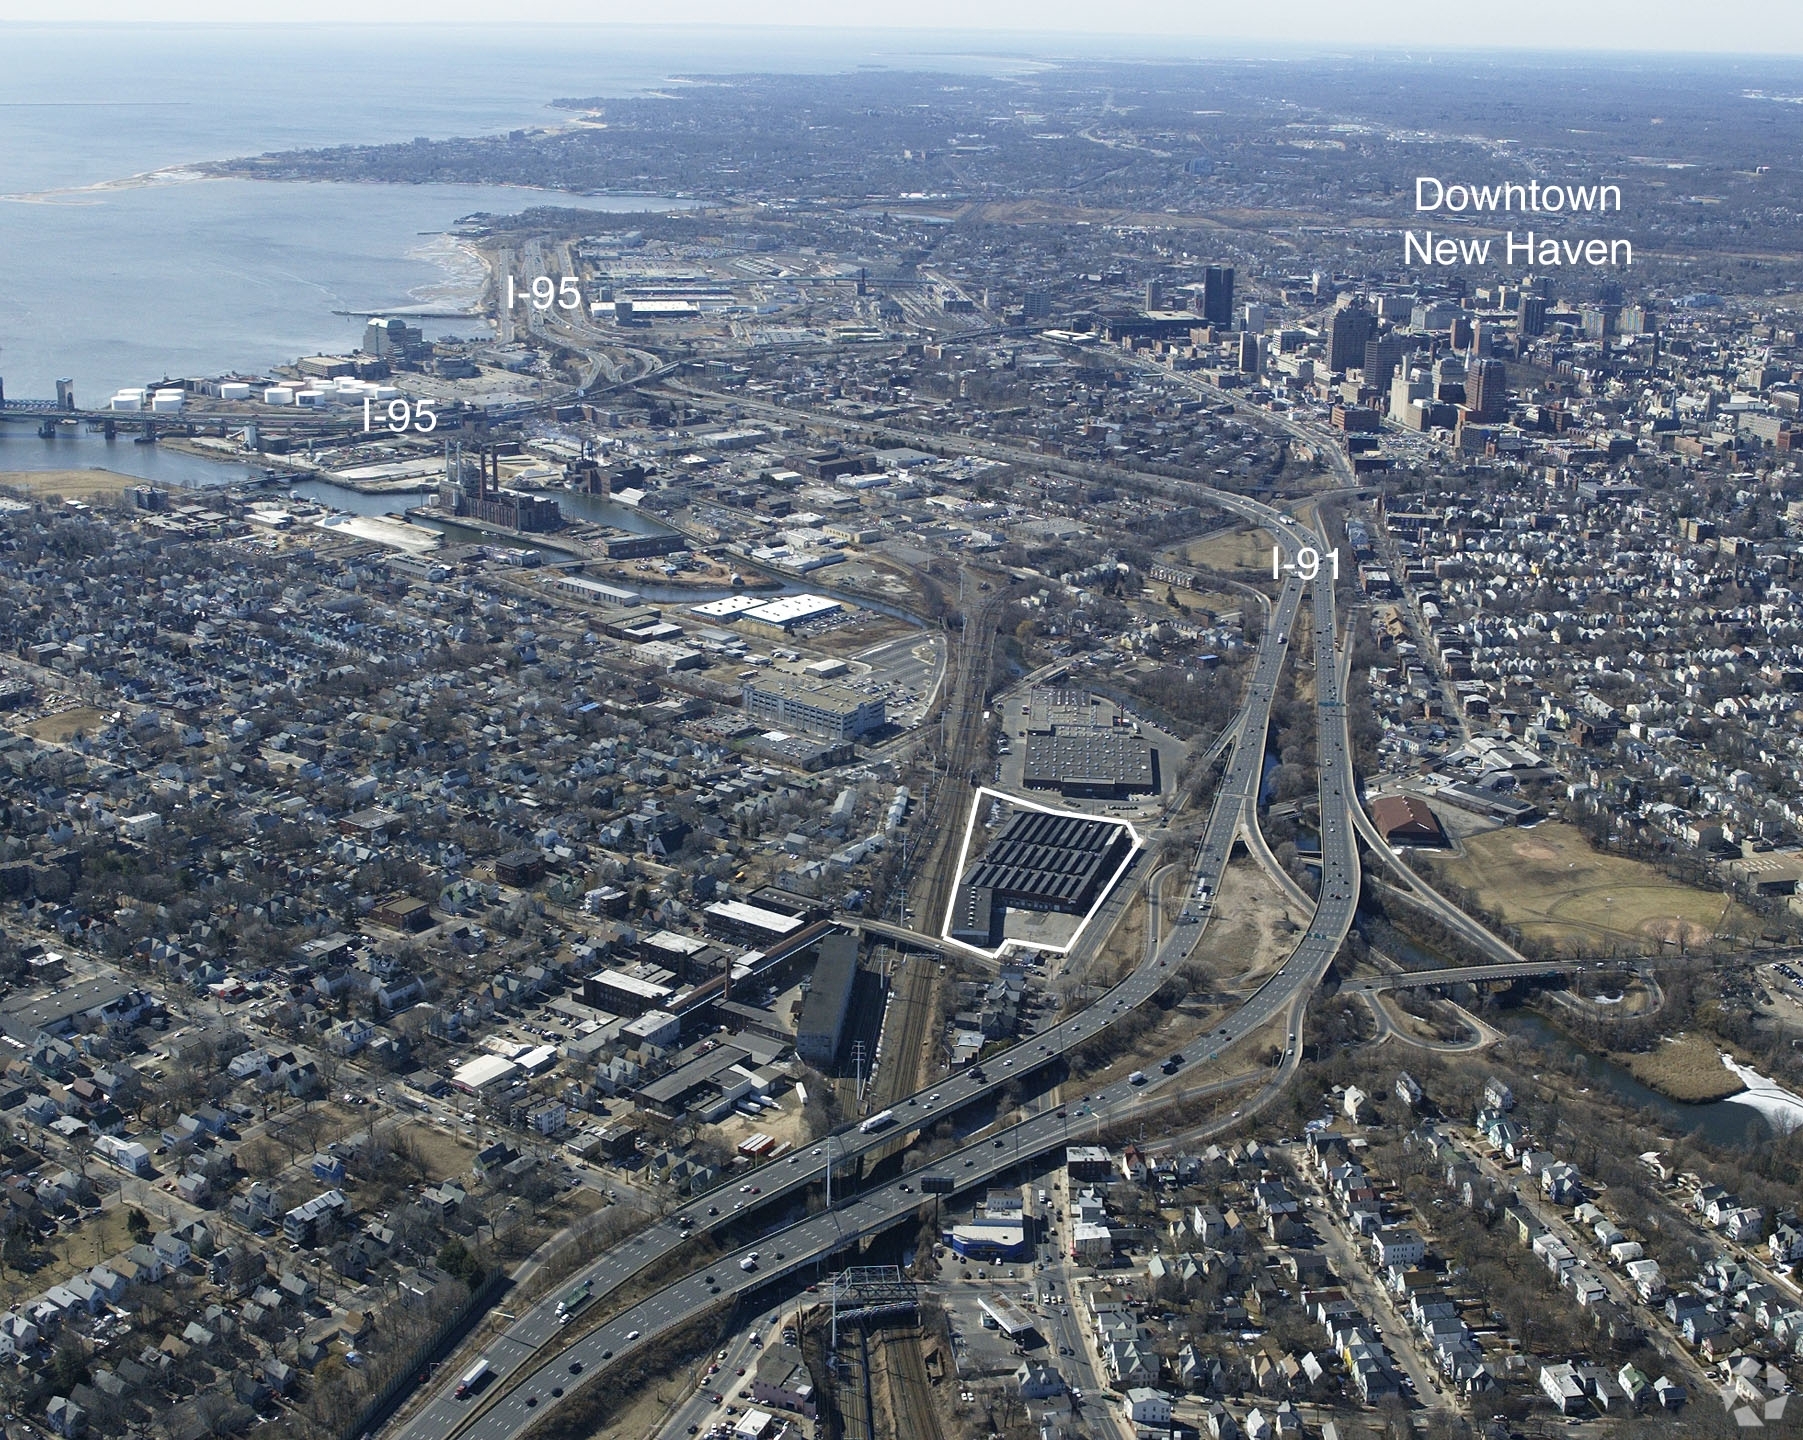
<point>755,915</point>
<point>1089,757</point>
<point>792,608</point>
<point>1048,857</point>
<point>483,1070</point>
<point>631,984</point>
<point>729,605</point>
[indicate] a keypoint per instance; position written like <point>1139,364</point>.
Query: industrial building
<point>1084,746</point>
<point>708,1085</point>
<point>1405,820</point>
<point>1092,764</point>
<point>630,992</point>
<point>1038,862</point>
<point>828,1002</point>
<point>744,921</point>
<point>781,617</point>
<point>113,1003</point>
<point>817,707</point>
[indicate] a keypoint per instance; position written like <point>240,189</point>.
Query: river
<point>1727,1123</point>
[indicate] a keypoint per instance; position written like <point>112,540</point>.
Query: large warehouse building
<point>1092,764</point>
<point>828,1002</point>
<point>1038,862</point>
<point>1085,747</point>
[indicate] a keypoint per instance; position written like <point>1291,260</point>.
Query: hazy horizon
<point>1750,29</point>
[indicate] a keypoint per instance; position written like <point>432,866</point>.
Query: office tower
<point>1600,321</point>
<point>1353,328</point>
<point>1533,314</point>
<point>1406,390</point>
<point>1154,296</point>
<point>1217,295</point>
<point>1248,353</point>
<point>1461,331</point>
<point>1382,357</point>
<point>1486,395</point>
<point>1035,305</point>
<point>1252,317</point>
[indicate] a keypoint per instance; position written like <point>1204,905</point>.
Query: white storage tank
<point>234,390</point>
<point>167,400</point>
<point>278,395</point>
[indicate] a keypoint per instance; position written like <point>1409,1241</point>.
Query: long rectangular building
<point>823,1013</point>
<point>816,707</point>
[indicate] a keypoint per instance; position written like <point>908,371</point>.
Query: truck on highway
<point>1138,1077</point>
<point>574,1301</point>
<point>473,1379</point>
<point>749,1263</point>
<point>877,1121</point>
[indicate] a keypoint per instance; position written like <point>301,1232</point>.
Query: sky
<point>1765,27</point>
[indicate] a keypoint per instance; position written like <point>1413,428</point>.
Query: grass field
<point>64,725</point>
<point>94,1240</point>
<point>1244,554</point>
<point>1550,883</point>
<point>71,484</point>
<point>1685,1067</point>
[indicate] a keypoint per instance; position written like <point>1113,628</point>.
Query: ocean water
<point>113,274</point>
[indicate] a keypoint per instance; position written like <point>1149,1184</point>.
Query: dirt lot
<point>848,640</point>
<point>784,1124</point>
<point>444,1156</point>
<point>1126,946</point>
<point>1548,881</point>
<point>1250,931</point>
<point>1216,602</point>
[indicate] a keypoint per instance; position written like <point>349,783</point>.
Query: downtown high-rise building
<point>1217,295</point>
<point>1486,392</point>
<point>1533,314</point>
<point>1382,359</point>
<point>1354,327</point>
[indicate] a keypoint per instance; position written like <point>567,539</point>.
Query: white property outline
<point>970,826</point>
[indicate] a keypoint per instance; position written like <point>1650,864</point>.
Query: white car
<point>632,1334</point>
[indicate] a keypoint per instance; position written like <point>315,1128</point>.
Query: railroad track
<point>911,1014</point>
<point>854,1394</point>
<point>965,699</point>
<point>911,1412</point>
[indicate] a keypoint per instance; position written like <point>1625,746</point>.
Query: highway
<point>526,1382</point>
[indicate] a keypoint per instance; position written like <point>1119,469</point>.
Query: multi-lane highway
<point>527,1381</point>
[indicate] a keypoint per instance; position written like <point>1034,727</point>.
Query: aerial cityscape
<point>902,742</point>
